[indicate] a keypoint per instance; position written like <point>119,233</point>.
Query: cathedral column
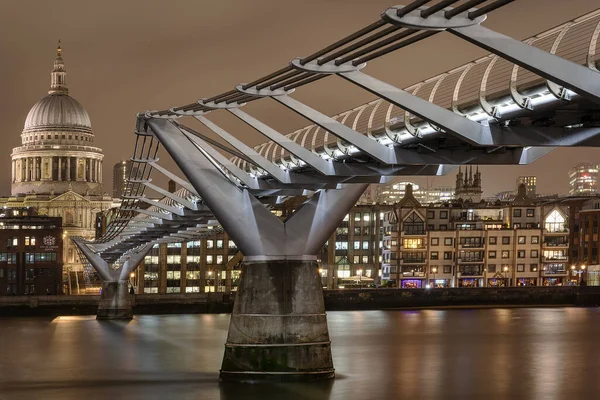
<point>26,169</point>
<point>13,170</point>
<point>59,164</point>
<point>99,171</point>
<point>68,168</point>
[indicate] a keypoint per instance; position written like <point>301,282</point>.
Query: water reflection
<point>431,354</point>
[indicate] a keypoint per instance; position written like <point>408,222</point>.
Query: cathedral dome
<point>57,112</point>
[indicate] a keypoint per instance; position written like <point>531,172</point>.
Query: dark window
<point>521,254</point>
<point>443,214</point>
<point>447,241</point>
<point>413,225</point>
<point>520,267</point>
<point>505,239</point>
<point>431,214</point>
<point>447,255</point>
<point>505,254</point>
<point>534,253</point>
<point>491,267</point>
<point>533,267</point>
<point>434,255</point>
<point>492,254</point>
<point>521,240</point>
<point>493,239</point>
<point>535,239</point>
<point>435,241</point>
<point>517,212</point>
<point>447,269</point>
<point>531,212</point>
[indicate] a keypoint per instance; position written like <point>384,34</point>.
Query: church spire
<point>58,82</point>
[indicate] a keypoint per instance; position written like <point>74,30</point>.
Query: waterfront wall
<point>335,300</point>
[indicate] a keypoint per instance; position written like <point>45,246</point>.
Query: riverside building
<point>461,244</point>
<point>30,253</point>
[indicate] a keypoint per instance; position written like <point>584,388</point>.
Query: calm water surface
<point>486,354</point>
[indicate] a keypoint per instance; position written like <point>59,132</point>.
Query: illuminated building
<point>121,172</point>
<point>530,183</point>
<point>57,170</point>
<point>583,180</point>
<point>30,253</point>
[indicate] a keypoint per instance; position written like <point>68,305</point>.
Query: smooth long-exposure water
<point>534,353</point>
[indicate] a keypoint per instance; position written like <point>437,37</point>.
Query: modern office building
<point>530,183</point>
<point>121,172</point>
<point>583,180</point>
<point>57,170</point>
<point>30,253</point>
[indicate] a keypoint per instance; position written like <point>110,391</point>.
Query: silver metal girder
<point>181,182</point>
<point>162,206</point>
<point>544,136</point>
<point>578,78</point>
<point>257,159</point>
<point>177,199</point>
<point>452,123</point>
<point>150,213</point>
<point>362,142</point>
<point>241,214</point>
<point>294,148</point>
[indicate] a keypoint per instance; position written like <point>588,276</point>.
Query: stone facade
<point>57,170</point>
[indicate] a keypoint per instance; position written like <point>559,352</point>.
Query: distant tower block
<point>583,180</point>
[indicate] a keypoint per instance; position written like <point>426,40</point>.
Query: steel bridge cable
<point>344,41</point>
<point>463,7</point>
<point>359,44</point>
<point>411,7</point>
<point>437,7</point>
<point>394,47</point>
<point>278,79</point>
<point>313,78</point>
<point>375,46</point>
<point>220,96</point>
<point>298,78</point>
<point>489,8</point>
<point>270,76</point>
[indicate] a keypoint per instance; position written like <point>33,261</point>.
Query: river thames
<point>522,353</point>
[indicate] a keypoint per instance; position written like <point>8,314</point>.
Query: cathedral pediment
<point>70,196</point>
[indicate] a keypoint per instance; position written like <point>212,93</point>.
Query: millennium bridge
<point>513,106</point>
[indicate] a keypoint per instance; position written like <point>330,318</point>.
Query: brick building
<point>30,253</point>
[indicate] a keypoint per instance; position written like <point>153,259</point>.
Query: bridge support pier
<point>115,300</point>
<point>278,328</point>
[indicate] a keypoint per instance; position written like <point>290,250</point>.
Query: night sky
<point>127,56</point>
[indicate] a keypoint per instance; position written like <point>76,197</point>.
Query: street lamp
<point>359,272</point>
<point>505,269</point>
<point>434,270</point>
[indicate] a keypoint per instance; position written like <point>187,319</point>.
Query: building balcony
<point>418,248</point>
<point>555,271</point>
<point>466,260</point>
<point>406,261</point>
<point>414,233</point>
<point>561,232</point>
<point>472,246</point>
<point>550,259</point>
<point>555,245</point>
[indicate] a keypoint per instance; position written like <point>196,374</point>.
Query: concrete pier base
<point>278,329</point>
<point>115,301</point>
